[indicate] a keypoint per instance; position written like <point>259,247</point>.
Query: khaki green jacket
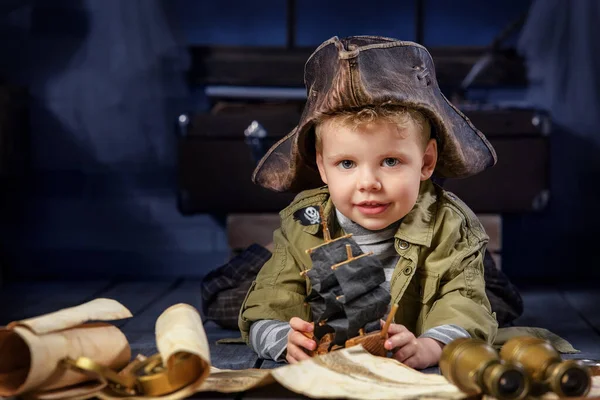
<point>438,279</point>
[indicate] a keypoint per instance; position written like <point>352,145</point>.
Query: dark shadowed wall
<point>107,80</point>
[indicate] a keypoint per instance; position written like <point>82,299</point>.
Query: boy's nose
<point>368,182</point>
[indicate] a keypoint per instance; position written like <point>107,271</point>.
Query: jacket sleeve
<point>279,290</point>
<point>461,298</point>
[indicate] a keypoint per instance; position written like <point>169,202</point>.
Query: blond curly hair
<point>398,115</point>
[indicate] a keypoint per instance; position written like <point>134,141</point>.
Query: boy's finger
<point>413,362</point>
<point>300,340</point>
<point>297,353</point>
<point>396,328</point>
<point>299,324</point>
<point>292,351</point>
<point>406,352</point>
<point>401,339</point>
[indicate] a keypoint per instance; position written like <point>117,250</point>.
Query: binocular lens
<point>511,384</point>
<point>574,382</point>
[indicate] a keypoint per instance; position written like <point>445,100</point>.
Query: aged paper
<point>354,373</point>
<point>31,350</point>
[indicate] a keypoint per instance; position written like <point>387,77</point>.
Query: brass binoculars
<point>525,366</point>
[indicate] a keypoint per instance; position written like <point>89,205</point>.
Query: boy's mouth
<point>372,207</point>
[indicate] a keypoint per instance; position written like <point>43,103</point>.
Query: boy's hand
<point>298,341</point>
<point>415,352</point>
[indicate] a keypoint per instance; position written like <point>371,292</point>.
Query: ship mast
<point>326,235</point>
<point>324,275</point>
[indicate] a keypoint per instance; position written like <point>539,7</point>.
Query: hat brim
<point>290,164</point>
<point>373,71</point>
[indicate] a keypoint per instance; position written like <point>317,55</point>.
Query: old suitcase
<point>216,159</point>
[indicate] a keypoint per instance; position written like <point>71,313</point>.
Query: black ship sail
<point>346,294</point>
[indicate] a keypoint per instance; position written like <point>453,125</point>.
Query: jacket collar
<point>416,227</point>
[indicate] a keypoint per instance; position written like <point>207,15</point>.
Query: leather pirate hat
<point>360,71</point>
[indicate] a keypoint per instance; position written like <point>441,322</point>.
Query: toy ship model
<point>346,295</point>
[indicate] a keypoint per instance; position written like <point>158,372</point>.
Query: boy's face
<point>374,171</point>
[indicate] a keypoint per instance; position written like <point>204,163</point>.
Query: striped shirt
<point>268,338</point>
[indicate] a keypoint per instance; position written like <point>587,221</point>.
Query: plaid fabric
<point>224,289</point>
<point>503,295</point>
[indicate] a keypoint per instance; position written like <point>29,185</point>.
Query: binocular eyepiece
<point>525,366</point>
<point>476,368</point>
<point>547,370</point>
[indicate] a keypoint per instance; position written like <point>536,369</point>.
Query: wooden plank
<point>20,300</point>
<point>547,308</point>
<point>142,342</point>
<point>158,263</point>
<point>137,296</point>
<point>182,291</point>
<point>232,356</point>
<point>586,302</point>
<point>229,355</point>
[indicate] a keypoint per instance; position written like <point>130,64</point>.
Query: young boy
<point>375,128</point>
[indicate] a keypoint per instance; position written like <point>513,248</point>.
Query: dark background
<point>94,193</point>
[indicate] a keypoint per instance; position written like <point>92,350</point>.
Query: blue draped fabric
<point>114,95</point>
<point>107,81</point>
<point>561,42</point>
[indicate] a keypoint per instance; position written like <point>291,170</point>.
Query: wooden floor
<point>571,313</point>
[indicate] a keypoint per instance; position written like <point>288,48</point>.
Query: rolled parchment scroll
<point>32,350</point>
<point>182,342</point>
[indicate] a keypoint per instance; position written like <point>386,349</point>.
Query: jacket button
<point>403,245</point>
<point>407,270</point>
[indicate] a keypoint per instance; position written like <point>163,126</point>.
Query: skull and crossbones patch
<point>308,215</point>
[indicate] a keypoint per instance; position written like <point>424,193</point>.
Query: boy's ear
<point>429,160</point>
<point>321,168</point>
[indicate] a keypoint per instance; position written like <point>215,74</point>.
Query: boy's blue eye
<point>346,164</point>
<point>391,162</point>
